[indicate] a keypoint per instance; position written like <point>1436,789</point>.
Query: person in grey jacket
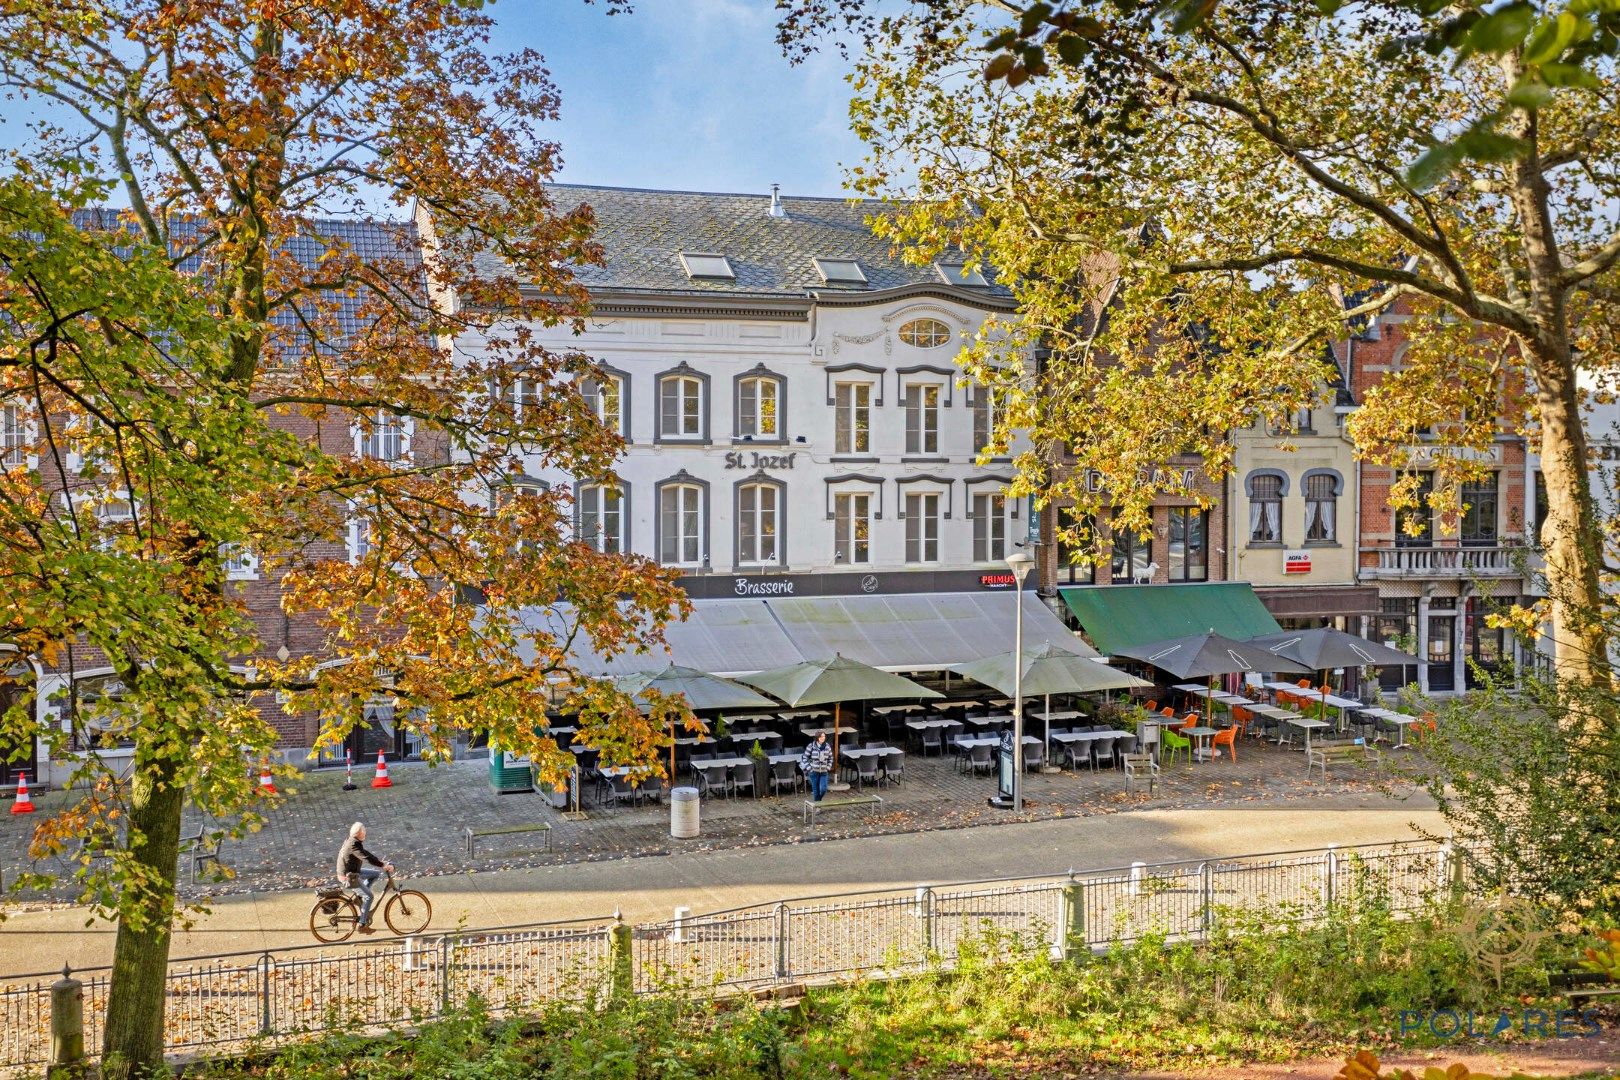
<point>816,764</point>
<point>355,876</point>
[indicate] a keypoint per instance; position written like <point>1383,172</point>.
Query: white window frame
<point>989,526</point>
<point>240,562</point>
<point>366,436</point>
<point>766,513</point>
<point>596,391</point>
<point>17,435</point>
<point>939,333</point>
<point>854,409</point>
<point>359,538</point>
<point>926,526</point>
<point>698,388</point>
<point>749,425</point>
<point>597,538</point>
<point>683,516</point>
<point>848,547</point>
<point>914,397</point>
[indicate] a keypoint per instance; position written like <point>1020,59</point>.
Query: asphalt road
<point>649,888</point>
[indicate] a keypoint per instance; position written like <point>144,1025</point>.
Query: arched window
<point>1321,490</point>
<point>683,407</point>
<point>759,405</point>
<point>604,393</point>
<point>925,333</point>
<point>1265,508</point>
<point>681,521</point>
<point>601,517</point>
<point>759,523</point>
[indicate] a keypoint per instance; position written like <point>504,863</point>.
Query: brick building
<point>1437,581</point>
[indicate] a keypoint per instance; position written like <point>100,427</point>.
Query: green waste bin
<point>508,772</point>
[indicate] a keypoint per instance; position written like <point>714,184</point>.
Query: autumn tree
<point>181,367</point>
<point>1191,200</point>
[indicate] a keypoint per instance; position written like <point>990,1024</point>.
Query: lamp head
<point>1020,564</point>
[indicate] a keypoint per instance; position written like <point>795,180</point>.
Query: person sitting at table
<point>816,763</point>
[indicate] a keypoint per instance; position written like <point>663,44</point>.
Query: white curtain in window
<point>1263,520</point>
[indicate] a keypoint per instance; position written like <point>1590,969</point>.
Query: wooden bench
<point>1583,985</point>
<point>813,808</point>
<point>1321,755</point>
<point>474,835</point>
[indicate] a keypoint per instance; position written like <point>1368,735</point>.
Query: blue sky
<point>687,94</point>
<point>690,94</point>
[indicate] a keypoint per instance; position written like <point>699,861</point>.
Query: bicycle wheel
<point>333,920</point>
<point>408,912</point>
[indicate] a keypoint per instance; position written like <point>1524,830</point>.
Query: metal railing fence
<point>265,998</point>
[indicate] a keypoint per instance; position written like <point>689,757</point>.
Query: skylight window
<point>840,271</point>
<point>959,274</point>
<point>707,266</point>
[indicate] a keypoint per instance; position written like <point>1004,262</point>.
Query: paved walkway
<point>648,888</point>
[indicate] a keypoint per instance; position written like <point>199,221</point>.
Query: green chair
<point>1173,743</point>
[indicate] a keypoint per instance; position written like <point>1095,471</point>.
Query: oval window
<point>925,333</point>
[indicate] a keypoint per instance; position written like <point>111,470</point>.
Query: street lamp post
<point>1019,562</point>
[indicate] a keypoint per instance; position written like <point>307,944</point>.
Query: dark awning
<point>1119,617</point>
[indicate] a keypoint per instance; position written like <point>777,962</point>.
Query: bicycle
<point>336,913</point>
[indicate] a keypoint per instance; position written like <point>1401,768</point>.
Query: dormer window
<point>955,273</point>
<point>840,271</point>
<point>699,266</point>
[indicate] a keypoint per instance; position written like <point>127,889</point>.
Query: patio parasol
<point>700,689</point>
<point>1204,656</point>
<point>1050,669</point>
<point>835,681</point>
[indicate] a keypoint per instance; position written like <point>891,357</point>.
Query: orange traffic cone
<point>381,779</point>
<point>267,783</point>
<point>23,805</point>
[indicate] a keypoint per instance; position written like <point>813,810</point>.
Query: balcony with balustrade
<point>1457,563</point>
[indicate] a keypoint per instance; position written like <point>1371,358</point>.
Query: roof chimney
<point>777,209</point>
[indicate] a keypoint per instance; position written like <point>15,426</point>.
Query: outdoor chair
<point>619,790</point>
<point>589,759</point>
<point>712,780</point>
<point>1175,744</point>
<point>979,758</point>
<point>1304,684</point>
<point>1078,753</point>
<point>784,774</point>
<point>1190,721</point>
<point>1034,757</point>
<point>1102,753</point>
<point>1138,766</point>
<point>931,737</point>
<point>866,769</point>
<point>742,778</point>
<point>1228,739</point>
<point>894,766</point>
<point>1152,705</point>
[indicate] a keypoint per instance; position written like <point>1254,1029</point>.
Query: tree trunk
<point>1571,537</point>
<point>135,1004</point>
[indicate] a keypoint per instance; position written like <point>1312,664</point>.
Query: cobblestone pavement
<point>420,822</point>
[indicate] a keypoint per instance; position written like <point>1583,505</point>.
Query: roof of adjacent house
<point>373,242</point>
<point>644,234</point>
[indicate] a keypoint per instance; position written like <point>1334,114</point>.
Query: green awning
<point>1123,616</point>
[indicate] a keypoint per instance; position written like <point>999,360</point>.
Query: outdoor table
<point>1089,736</point>
<point>778,758</point>
<point>685,740</point>
<point>1001,702</point>
<point>802,714</point>
<point>1059,714</point>
<point>923,725</point>
<point>1308,725</point>
<point>751,718</point>
<point>728,762</point>
<point>1233,700</point>
<point>885,710</point>
<point>629,770</point>
<point>1401,720</point>
<point>990,740</point>
<point>1192,687</point>
<point>762,733</point>
<point>814,731</point>
<point>1202,749</point>
<point>870,751</point>
<point>561,730</point>
<point>942,706</point>
<point>984,721</point>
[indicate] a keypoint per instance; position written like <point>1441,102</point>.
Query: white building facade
<point>795,421</point>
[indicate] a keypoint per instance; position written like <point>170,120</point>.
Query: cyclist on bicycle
<point>352,874</point>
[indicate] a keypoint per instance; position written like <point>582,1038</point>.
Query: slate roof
<point>643,233</point>
<point>373,242</point>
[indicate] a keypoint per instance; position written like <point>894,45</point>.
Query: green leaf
<point>1071,49</point>
<point>1502,29</point>
<point>1329,7</point>
<point>1435,164</point>
<point>1551,38</point>
<point>1530,93</point>
<point>1481,143</point>
<point>1570,75</point>
<point>1000,41</point>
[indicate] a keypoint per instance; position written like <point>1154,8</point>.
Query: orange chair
<point>1241,718</point>
<point>1168,713</point>
<point>1228,739</point>
<point>1152,706</point>
<point>1426,724</point>
<point>1191,721</point>
<point>1304,684</point>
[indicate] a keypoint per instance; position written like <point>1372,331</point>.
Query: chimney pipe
<point>777,210</point>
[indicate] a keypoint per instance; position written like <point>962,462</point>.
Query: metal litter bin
<point>683,813</point>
